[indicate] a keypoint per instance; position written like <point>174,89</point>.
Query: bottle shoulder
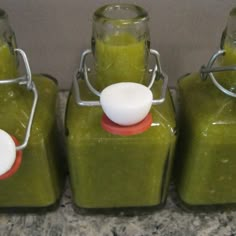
<point>16,104</point>
<point>204,108</point>
<point>87,120</point>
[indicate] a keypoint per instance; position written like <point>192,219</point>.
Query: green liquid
<point>230,55</point>
<point>39,180</point>
<point>207,144</point>
<point>229,59</point>
<point>8,62</point>
<point>108,170</point>
<point>120,58</point>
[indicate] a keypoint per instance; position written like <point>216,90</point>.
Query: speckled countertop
<point>170,221</point>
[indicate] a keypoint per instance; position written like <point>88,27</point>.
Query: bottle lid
<point>126,103</point>
<point>10,159</point>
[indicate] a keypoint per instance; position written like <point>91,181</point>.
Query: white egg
<point>126,103</point>
<point>7,152</point>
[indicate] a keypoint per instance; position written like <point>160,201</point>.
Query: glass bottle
<point>37,181</point>
<point>205,164</point>
<point>118,170</point>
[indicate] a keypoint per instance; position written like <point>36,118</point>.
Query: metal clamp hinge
<point>82,73</point>
<point>25,80</point>
<point>208,70</point>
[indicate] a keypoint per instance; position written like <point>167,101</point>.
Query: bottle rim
<point>103,14</point>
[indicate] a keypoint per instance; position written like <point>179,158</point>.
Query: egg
<point>7,152</point>
<point>126,103</point>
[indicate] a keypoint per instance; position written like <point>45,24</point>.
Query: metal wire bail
<point>208,70</point>
<point>25,80</point>
<point>82,73</point>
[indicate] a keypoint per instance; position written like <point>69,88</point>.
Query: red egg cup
<point>138,128</point>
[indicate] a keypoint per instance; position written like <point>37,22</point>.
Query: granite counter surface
<point>170,221</point>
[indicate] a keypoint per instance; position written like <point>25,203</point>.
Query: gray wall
<point>55,32</point>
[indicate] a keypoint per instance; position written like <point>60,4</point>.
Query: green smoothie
<point>8,62</point>
<point>229,77</point>
<point>111,171</point>
<point>120,58</point>
<point>205,166</point>
<point>39,180</point>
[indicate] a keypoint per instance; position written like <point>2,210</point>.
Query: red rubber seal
<point>16,164</point>
<point>114,128</point>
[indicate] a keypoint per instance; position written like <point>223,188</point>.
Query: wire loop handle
<point>25,80</point>
<point>82,73</point>
<point>208,70</point>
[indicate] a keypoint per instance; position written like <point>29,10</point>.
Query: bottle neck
<point>231,27</point>
<point>229,41</point>
<point>8,58</point>
<point>120,44</point>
